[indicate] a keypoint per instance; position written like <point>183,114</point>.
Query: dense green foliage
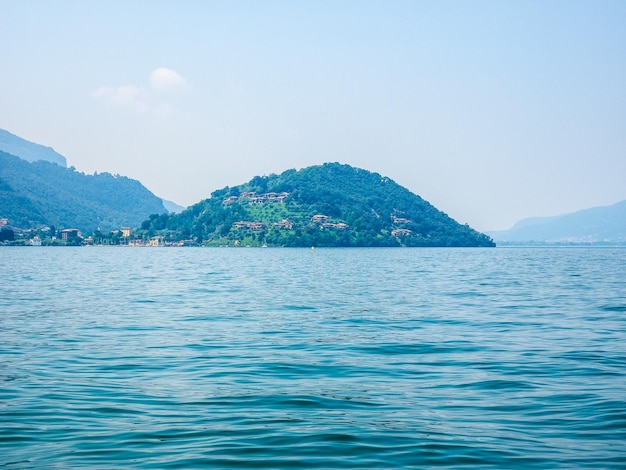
<point>327,205</point>
<point>6,235</point>
<point>42,193</point>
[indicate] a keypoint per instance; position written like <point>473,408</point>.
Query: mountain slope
<point>605,224</point>
<point>43,193</point>
<point>172,206</point>
<point>27,150</point>
<point>327,205</point>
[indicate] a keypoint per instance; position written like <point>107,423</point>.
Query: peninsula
<point>329,205</point>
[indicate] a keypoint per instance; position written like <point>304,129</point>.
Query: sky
<point>493,111</point>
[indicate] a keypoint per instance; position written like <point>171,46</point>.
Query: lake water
<point>288,358</point>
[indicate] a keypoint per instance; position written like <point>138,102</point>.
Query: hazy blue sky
<point>491,110</point>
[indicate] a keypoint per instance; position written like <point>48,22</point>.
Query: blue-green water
<point>287,358</point>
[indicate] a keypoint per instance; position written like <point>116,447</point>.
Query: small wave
<point>299,307</point>
<point>614,308</point>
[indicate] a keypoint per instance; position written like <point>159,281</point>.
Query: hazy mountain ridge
<point>325,205</point>
<point>43,193</point>
<point>29,151</point>
<point>605,224</point>
<point>171,206</point>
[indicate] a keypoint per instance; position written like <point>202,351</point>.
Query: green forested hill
<point>327,205</point>
<point>43,193</point>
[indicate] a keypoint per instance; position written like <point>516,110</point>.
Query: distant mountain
<point>29,151</point>
<point>326,205</point>
<point>43,193</point>
<point>172,207</point>
<point>605,224</point>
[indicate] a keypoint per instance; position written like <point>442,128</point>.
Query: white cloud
<point>124,96</point>
<point>142,99</point>
<point>166,79</point>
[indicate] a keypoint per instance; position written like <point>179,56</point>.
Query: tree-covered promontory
<point>325,205</point>
<point>45,194</point>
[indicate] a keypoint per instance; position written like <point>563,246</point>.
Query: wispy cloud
<point>166,79</point>
<point>142,99</point>
<point>130,97</point>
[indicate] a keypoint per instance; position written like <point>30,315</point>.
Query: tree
<point>7,235</point>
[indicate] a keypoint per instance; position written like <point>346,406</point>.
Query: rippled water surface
<point>337,358</point>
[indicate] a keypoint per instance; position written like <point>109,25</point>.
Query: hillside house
<point>69,234</point>
<point>156,241</point>
<point>320,218</point>
<point>229,200</point>
<point>401,232</point>
<point>284,224</point>
<point>330,225</point>
<point>400,220</point>
<point>254,226</point>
